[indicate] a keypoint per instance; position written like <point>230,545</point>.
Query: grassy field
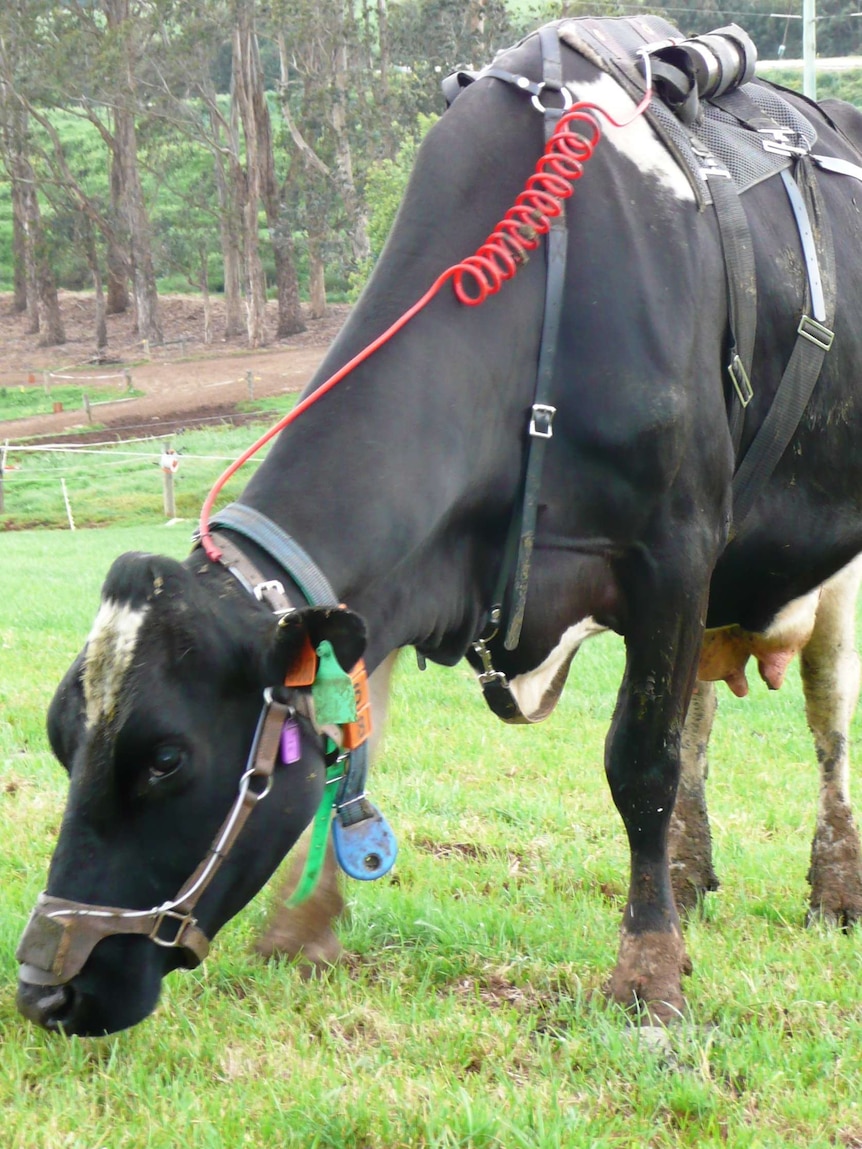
<point>122,484</point>
<point>470,1011</point>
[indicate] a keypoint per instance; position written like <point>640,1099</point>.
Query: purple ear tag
<point>291,746</point>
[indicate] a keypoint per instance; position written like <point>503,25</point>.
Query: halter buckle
<point>184,923</point>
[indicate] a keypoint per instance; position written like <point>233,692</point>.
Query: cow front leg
<point>306,932</point>
<point>830,680</point>
<point>690,839</point>
<point>642,762</point>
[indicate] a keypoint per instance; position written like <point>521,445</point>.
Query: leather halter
<point>61,933</point>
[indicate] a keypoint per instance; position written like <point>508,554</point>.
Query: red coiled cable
<point>497,260</point>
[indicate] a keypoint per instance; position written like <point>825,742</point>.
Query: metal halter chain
<point>61,934</point>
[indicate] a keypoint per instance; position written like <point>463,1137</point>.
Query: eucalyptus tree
<point>36,289</point>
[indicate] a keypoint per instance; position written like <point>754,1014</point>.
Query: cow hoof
<point>314,955</point>
<point>689,890</point>
<point>835,874</point>
<point>647,976</point>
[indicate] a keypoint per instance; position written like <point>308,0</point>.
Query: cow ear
<point>303,630</point>
<point>66,718</point>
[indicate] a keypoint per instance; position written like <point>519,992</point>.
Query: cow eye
<point>166,760</point>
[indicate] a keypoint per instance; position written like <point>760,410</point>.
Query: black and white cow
<point>401,483</point>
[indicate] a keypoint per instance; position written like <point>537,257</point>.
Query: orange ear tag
<point>355,733</point>
<point>304,667</point>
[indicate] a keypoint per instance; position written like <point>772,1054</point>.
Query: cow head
<point>154,723</point>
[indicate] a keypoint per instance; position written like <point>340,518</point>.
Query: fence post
<point>45,383</point>
<point>249,378</point>
<point>128,376</point>
<point>3,451</point>
<point>87,408</point>
<point>170,464</point>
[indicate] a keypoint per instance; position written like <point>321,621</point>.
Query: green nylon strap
<point>319,836</point>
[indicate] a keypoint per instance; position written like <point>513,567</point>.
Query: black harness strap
<point>542,414</point>
<point>813,340</point>
<point>286,551</point>
<point>741,283</point>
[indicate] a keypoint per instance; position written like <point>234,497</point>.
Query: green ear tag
<point>334,699</point>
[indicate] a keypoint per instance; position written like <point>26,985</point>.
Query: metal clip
<point>541,419</point>
<point>262,588</point>
<point>817,333</point>
<point>564,93</point>
<point>741,382</point>
<point>710,165</point>
<point>777,142</point>
<point>489,675</point>
<point>712,169</point>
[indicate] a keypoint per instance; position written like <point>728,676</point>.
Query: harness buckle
<point>777,141</point>
<point>740,380</point>
<point>264,588</point>
<point>541,419</point>
<point>817,333</point>
<point>184,923</point>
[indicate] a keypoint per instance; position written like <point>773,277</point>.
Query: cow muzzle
<point>61,935</point>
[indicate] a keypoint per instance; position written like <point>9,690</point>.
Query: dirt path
<point>184,380</point>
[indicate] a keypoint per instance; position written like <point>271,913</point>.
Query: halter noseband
<point>61,933</point>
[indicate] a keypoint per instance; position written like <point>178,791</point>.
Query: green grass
<point>469,1013</point>
<point>122,484</point>
<point>23,401</point>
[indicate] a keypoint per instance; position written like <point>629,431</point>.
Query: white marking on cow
<point>110,649</point>
<point>636,141</point>
<point>830,675</point>
<point>538,691</point>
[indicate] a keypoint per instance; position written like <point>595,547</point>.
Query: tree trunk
<point>244,79</point>
<point>256,124</point>
<point>344,163</point>
<point>98,285</point>
<point>230,187</point>
<point>118,264</point>
<point>316,279</point>
<point>133,211</point>
<point>51,326</point>
<point>137,227</point>
<point>43,305</point>
<point>19,255</point>
<point>205,292</point>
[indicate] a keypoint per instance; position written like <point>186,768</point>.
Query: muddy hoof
<point>647,976</point>
<point>290,940</point>
<point>835,874</point>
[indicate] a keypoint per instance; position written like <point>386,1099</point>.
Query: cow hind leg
<point>830,680</point>
<point>690,838</point>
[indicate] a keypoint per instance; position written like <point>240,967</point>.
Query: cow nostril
<point>49,1006</point>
